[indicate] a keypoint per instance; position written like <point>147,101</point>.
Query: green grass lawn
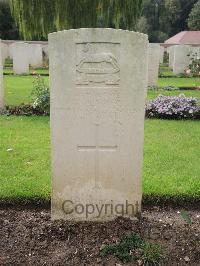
<point>18,88</point>
<point>9,70</point>
<point>166,71</point>
<point>171,158</point>
<point>189,93</point>
<point>25,171</point>
<point>179,82</point>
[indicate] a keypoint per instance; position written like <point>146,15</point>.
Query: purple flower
<point>173,107</point>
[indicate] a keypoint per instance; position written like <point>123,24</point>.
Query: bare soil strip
<point>29,237</point>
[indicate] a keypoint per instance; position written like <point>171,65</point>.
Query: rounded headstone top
<point>101,31</point>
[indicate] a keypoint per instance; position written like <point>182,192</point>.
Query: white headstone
<point>10,51</point>
<point>35,55</point>
<point>195,52</point>
<point>20,53</point>
<point>45,50</point>
<point>181,59</point>
<point>4,52</point>
<point>153,63</point>
<point>1,80</point>
<point>162,49</point>
<point>171,56</point>
<point>98,80</point>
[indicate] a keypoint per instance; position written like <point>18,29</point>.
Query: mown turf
<point>24,170</point>
<point>179,82</point>
<point>189,93</point>
<point>166,71</point>
<point>18,89</point>
<point>9,70</point>
<point>171,158</point>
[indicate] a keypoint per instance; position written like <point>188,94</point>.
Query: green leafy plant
<point>151,253</point>
<point>186,217</point>
<point>133,247</point>
<point>40,95</point>
<point>24,109</point>
<point>182,75</point>
<point>194,66</point>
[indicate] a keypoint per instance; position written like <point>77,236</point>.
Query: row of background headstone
<point>34,53</point>
<point>180,57</point>
<point>24,54</point>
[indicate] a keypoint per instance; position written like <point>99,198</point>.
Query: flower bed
<point>173,107</point>
<point>164,107</point>
<point>24,109</point>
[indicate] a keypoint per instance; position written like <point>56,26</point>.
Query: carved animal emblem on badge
<point>100,67</point>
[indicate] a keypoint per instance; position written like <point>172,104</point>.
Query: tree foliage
<point>165,18</point>
<point>36,18</point>
<point>7,26</point>
<point>194,17</point>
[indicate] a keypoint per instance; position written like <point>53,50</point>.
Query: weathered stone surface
<point>35,55</point>
<point>153,63</point>
<point>194,52</point>
<point>162,49</point>
<point>10,51</point>
<point>45,50</point>
<point>4,52</point>
<point>20,54</point>
<point>98,80</point>
<point>181,58</point>
<point>171,55</point>
<point>1,80</point>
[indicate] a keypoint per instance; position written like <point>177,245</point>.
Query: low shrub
<point>173,107</point>
<point>25,109</point>
<point>40,95</point>
<point>154,88</point>
<point>167,88</point>
<point>182,75</point>
<point>194,66</point>
<point>170,88</point>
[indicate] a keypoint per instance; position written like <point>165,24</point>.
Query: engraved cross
<point>97,148</point>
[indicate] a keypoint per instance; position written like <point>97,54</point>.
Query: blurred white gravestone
<point>20,55</point>
<point>171,56</point>
<point>181,58</point>
<point>162,50</point>
<point>194,52</point>
<point>35,55</point>
<point>1,79</point>
<point>45,50</point>
<point>98,81</point>
<point>4,52</point>
<point>10,51</point>
<point>153,63</point>
<point>45,54</point>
